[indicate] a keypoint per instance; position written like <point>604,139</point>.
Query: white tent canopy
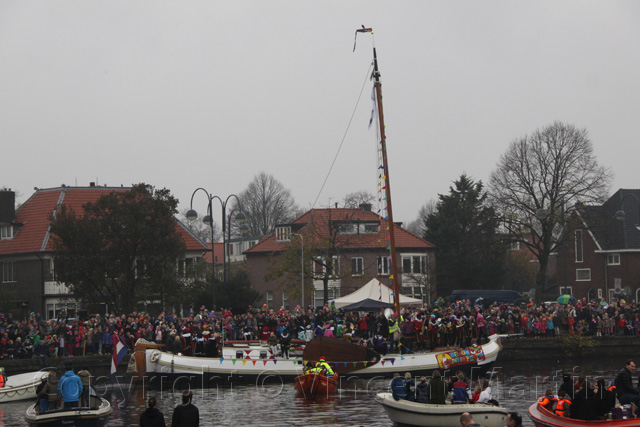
<point>374,289</point>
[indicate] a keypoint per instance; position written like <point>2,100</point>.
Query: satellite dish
<point>388,313</point>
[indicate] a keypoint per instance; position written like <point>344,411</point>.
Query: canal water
<point>516,385</point>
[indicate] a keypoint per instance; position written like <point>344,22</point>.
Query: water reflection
<point>515,385</point>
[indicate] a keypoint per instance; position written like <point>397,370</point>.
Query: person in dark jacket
<point>437,389</point>
<point>398,390</point>
<point>152,417</point>
<point>604,400</point>
<point>187,414</point>
<point>567,385</point>
<point>422,391</point>
<point>625,390</point>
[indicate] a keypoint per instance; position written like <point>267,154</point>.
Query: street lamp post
<point>301,266</point>
<point>240,219</point>
<point>208,219</point>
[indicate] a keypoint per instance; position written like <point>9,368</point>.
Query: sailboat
<point>241,360</point>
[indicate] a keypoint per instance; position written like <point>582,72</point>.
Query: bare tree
<point>539,180</point>
<point>266,203</point>
<point>200,229</point>
<point>357,198</point>
<point>417,226</point>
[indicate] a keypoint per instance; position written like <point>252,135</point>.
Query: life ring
<point>155,356</point>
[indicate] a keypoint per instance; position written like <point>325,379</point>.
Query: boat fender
<point>155,356</point>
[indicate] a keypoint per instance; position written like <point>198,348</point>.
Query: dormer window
<point>283,233</point>
<point>6,232</point>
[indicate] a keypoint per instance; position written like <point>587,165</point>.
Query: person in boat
<point>308,368</point>
<point>85,379</point>
<point>422,391</point>
<point>186,414</point>
<point>514,419</point>
<point>70,386</point>
<point>410,385</point>
<point>567,385</point>
<point>582,405</point>
<point>41,393</point>
<point>625,391</point>
<point>53,395</point>
<point>548,400</point>
<point>272,342</point>
<point>324,366</point>
<point>437,389</point>
<point>562,407</point>
<point>460,390</point>
<point>398,390</point>
<point>476,394</point>
<point>394,333</point>
<point>466,420</point>
<point>604,399</point>
<point>285,342</point>
<point>152,417</point>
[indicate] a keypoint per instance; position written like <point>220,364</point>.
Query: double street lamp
<point>208,219</point>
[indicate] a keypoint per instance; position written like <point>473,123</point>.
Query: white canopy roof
<point>373,289</point>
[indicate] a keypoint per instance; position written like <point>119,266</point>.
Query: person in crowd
<point>186,414</point>
<point>625,391</point>
<point>410,386</point>
<point>422,391</point>
<point>466,420</point>
<point>152,417</point>
<point>514,419</point>
<point>398,390</point>
<point>70,386</point>
<point>460,390</point>
<point>437,389</point>
<point>85,379</point>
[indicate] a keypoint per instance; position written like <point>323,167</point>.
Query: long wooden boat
<point>313,385</point>
<point>250,362</point>
<point>542,417</point>
<point>97,415</point>
<point>21,386</point>
<point>409,413</point>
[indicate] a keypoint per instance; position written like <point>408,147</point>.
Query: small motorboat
<point>542,417</point>
<point>410,413</point>
<point>312,385</point>
<point>21,386</point>
<point>96,415</point>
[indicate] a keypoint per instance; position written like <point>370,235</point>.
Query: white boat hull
<point>21,386</point>
<point>428,415</point>
<point>479,359</point>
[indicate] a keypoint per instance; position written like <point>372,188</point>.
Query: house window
<point>269,299</point>
<point>613,259</point>
<point>318,296</point>
<point>414,264</point>
<point>6,232</point>
<point>383,265</point>
<point>583,274</point>
<point>8,272</point>
<point>515,246</point>
<point>579,246</point>
<point>285,300</point>
<point>320,267</point>
<point>357,266</point>
<point>599,293</point>
<point>347,229</point>
<point>370,228</point>
<point>283,233</point>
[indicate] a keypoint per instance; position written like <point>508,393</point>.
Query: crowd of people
<point>417,329</point>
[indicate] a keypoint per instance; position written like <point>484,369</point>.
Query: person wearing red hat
<point>322,364</point>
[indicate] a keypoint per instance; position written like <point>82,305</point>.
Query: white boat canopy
<point>375,290</point>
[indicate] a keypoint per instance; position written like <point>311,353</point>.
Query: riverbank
<point>513,349</point>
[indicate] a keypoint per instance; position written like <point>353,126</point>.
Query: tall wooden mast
<point>385,164</point>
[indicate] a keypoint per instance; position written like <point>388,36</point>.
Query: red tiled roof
<point>314,225</point>
<point>35,214</point>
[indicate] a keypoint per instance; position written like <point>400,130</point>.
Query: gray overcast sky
<point>209,93</point>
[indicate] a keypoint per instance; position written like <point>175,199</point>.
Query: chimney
<point>92,184</point>
<point>7,206</point>
<point>366,207</point>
